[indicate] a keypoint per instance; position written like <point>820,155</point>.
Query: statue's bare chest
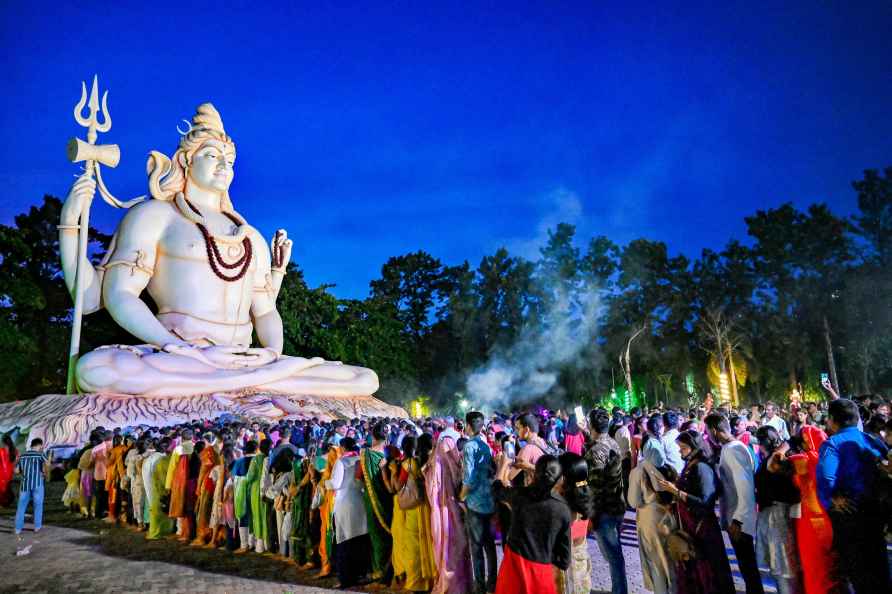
<point>184,240</point>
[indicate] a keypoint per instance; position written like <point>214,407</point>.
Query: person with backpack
<point>605,478</point>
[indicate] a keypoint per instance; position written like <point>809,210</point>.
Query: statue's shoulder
<point>146,219</point>
<point>151,211</point>
<point>152,208</point>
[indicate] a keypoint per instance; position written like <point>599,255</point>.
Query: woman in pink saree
<point>442,479</point>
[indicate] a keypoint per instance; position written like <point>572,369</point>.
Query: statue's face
<point>211,167</point>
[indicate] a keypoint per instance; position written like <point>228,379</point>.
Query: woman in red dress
<point>8,457</point>
<point>814,534</point>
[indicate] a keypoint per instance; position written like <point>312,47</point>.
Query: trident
<point>94,155</point>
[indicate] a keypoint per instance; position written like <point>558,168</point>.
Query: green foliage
<point>874,219</point>
<point>34,304</point>
<point>426,325</point>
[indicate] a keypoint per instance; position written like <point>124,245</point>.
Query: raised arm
<point>80,194</point>
<point>267,281</point>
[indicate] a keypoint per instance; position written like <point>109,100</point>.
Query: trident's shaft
<point>77,318</point>
<point>93,126</point>
<point>93,156</point>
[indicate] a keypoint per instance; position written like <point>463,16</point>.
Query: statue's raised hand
<point>280,248</point>
<point>80,194</point>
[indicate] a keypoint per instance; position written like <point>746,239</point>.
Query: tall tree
<point>411,284</point>
<point>874,220</point>
<point>35,305</point>
<point>506,296</point>
<point>309,318</point>
<point>800,258</point>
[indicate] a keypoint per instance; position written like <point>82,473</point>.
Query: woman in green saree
<point>378,504</point>
<point>259,522</point>
<point>301,498</point>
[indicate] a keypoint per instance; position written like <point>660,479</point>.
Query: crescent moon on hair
<point>188,123</point>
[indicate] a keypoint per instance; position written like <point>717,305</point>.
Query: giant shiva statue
<point>213,277</point>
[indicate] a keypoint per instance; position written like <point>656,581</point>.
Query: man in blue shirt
<point>846,471</point>
<point>33,466</point>
<point>476,495</point>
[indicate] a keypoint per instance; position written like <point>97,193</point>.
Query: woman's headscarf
<point>812,439</point>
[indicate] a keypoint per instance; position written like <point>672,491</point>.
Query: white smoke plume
<point>528,369</point>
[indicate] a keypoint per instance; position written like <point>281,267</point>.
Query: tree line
<point>806,293</point>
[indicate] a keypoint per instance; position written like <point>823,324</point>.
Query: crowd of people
<point>422,505</point>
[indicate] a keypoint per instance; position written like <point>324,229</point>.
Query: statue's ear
<point>182,160</point>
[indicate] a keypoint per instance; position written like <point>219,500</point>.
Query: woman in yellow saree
<point>413,546</point>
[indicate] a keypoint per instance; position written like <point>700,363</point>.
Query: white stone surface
<point>66,419</point>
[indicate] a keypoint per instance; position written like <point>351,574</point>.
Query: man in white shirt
<point>773,420</point>
<point>738,501</point>
<point>623,438</point>
<point>673,454</point>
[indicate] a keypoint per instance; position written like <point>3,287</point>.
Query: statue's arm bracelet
<point>279,270</point>
<point>133,266</point>
<point>63,227</point>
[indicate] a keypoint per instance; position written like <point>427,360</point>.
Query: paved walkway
<point>64,560</point>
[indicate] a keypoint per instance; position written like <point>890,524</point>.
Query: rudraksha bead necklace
<point>215,259</point>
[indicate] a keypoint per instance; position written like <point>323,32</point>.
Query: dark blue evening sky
<point>373,129</point>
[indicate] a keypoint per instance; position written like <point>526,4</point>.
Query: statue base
<point>63,419</point>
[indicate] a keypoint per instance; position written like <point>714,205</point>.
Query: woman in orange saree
<point>326,511</point>
<point>814,533</point>
<point>205,488</point>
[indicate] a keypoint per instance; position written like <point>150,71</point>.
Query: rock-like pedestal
<point>67,419</point>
